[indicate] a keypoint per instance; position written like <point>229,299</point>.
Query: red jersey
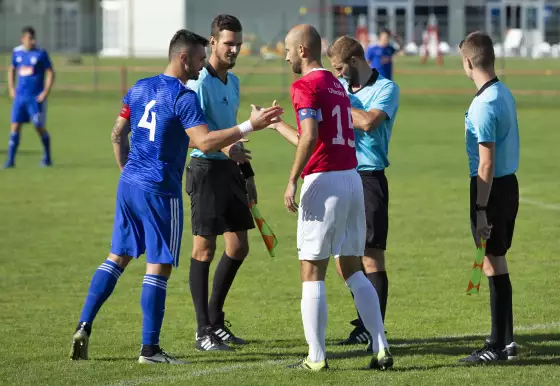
<point>319,93</point>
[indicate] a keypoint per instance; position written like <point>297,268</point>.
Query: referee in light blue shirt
<point>375,102</point>
<point>219,191</point>
<point>492,139</point>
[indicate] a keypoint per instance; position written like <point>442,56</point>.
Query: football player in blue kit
<point>149,208</point>
<point>35,77</point>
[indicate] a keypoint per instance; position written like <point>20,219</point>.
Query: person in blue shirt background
<point>492,142</point>
<point>380,56</point>
<point>35,77</point>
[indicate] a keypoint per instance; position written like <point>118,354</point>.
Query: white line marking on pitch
<point>198,373</point>
<point>539,204</point>
<point>247,366</point>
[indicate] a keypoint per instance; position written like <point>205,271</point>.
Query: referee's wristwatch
<point>480,208</point>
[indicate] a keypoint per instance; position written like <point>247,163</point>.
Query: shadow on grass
<point>529,345</point>
<point>533,351</point>
<point>516,363</point>
<point>23,152</point>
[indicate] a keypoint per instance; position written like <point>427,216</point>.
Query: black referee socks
<point>223,279</point>
<point>381,284</point>
<point>501,310</point>
<point>198,281</point>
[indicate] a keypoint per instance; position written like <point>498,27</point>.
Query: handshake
<point>258,109</point>
<point>260,118</point>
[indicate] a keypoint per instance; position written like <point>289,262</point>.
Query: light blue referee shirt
<point>372,148</point>
<point>492,117</point>
<point>219,101</point>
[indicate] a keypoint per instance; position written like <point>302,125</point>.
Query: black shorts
<point>501,213</point>
<point>218,197</point>
<point>376,199</point>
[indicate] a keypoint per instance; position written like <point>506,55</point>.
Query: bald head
<point>303,43</point>
<point>306,35</point>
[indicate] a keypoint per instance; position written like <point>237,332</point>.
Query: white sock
<point>314,315</point>
<point>367,303</point>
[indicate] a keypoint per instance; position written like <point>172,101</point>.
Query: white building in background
<point>144,27</point>
<point>140,28</point>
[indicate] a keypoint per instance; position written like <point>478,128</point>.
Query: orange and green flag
<point>268,236</point>
<point>474,283</point>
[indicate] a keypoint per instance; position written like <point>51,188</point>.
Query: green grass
<point>56,225</point>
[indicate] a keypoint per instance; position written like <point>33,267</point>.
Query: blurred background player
<point>431,41</point>
<point>375,102</point>
<point>149,210</point>
<point>218,189</point>
<point>380,56</point>
<point>35,78</point>
<point>331,215</point>
<point>492,139</point>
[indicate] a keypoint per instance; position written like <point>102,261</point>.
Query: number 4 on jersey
<point>151,124</point>
<point>339,140</point>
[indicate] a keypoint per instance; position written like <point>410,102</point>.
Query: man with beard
<point>162,116</point>
<point>218,188</point>
<point>375,101</point>
<point>331,215</point>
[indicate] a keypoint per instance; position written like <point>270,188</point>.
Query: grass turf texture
<point>56,227</point>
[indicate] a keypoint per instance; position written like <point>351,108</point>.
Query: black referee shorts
<point>218,197</point>
<point>376,199</point>
<point>501,213</point>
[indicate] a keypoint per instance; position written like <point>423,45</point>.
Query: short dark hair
<point>478,47</point>
<point>225,22</point>
<point>385,30</point>
<point>185,39</point>
<point>345,48</point>
<point>28,30</point>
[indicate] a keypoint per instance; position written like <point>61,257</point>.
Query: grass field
<point>56,225</point>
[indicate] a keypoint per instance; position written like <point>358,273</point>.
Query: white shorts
<point>331,218</point>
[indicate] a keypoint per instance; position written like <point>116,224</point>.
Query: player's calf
<point>152,301</point>
<point>154,291</point>
<point>13,145</point>
<point>102,285</point>
<point>46,141</point>
<point>237,248</point>
<point>367,303</point>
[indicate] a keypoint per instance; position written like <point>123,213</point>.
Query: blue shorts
<point>147,223</point>
<point>27,109</point>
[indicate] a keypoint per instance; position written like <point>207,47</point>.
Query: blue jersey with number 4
<point>160,109</point>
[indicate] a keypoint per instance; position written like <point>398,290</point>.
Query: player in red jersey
<point>331,218</point>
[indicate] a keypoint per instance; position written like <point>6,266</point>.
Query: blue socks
<point>46,139</point>
<point>154,289</point>
<point>12,148</point>
<point>14,143</point>
<point>102,285</point>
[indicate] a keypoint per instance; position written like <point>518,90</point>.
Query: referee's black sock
<point>509,320</point>
<point>381,283</point>
<point>223,278</point>
<point>198,281</point>
<point>500,304</point>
